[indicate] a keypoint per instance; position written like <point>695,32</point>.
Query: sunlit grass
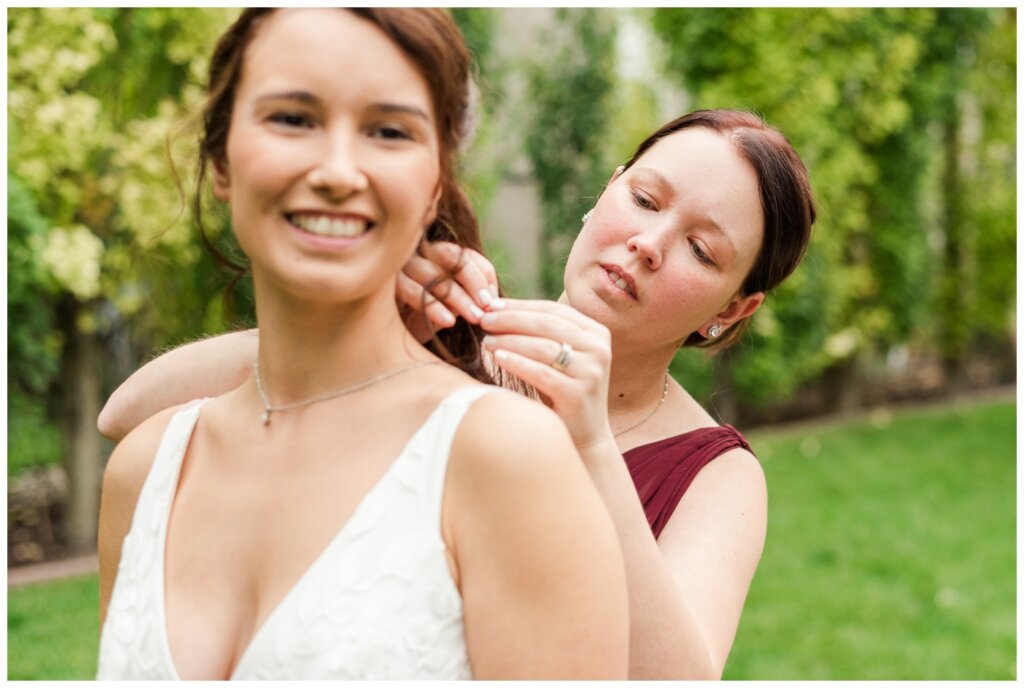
<point>53,630</point>
<point>890,552</point>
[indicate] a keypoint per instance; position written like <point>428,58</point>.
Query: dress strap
<point>438,442</point>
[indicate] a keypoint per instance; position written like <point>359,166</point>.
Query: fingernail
<point>447,318</point>
<point>488,319</point>
<point>494,290</point>
<point>477,313</point>
<point>488,341</point>
<point>496,304</point>
<point>484,296</point>
<point>501,355</point>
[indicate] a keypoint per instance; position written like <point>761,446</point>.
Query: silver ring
<point>563,358</point>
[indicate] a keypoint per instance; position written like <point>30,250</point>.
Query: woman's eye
<point>642,201</point>
<point>701,255</point>
<point>390,132</point>
<point>291,119</point>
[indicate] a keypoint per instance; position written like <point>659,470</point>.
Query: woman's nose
<point>338,173</point>
<point>647,247</point>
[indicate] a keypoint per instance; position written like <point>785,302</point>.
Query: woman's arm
<point>687,589</point>
<point>205,368</point>
<point>538,563</point>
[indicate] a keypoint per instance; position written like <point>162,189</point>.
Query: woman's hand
<point>526,338</point>
<point>474,286</point>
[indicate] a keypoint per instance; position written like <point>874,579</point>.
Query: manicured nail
<point>447,318</point>
<point>494,290</point>
<point>488,341</point>
<point>496,304</point>
<point>484,296</point>
<point>501,355</point>
<point>477,313</point>
<point>488,319</point>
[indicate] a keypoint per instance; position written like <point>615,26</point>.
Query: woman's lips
<point>619,279</point>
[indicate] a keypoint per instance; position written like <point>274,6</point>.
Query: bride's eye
<point>703,257</point>
<point>292,119</point>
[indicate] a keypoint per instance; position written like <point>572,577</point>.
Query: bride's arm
<point>205,368</point>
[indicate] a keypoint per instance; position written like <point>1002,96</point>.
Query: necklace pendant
<point>265,418</point>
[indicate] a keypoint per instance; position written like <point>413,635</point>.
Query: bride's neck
<point>309,348</point>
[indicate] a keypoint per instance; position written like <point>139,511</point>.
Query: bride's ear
<point>221,181</point>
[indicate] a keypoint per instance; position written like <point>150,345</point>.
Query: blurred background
<point>877,385</point>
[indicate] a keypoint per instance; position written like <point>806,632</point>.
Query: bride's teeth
<point>328,226</point>
<point>622,284</point>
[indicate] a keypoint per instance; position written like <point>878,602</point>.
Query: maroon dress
<point>663,470</point>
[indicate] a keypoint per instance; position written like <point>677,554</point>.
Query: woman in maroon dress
<point>712,211</point>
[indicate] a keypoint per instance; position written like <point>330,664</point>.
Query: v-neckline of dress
<point>304,576</point>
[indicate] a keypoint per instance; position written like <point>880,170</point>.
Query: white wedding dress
<point>378,602</point>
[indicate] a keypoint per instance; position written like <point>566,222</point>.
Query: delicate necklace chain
<point>664,395</point>
<point>268,409</point>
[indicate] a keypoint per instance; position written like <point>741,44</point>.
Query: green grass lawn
<point>890,551</point>
<point>52,630</point>
<point>890,555</point>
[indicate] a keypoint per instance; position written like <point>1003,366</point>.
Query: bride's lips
<point>620,279</point>
<point>325,230</point>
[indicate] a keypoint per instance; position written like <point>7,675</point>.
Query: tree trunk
<point>952,311</point>
<point>84,448</point>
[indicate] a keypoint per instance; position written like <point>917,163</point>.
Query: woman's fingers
<point>551,308</point>
<point>550,382</point>
<point>409,294</point>
<point>422,271</point>
<point>540,349</point>
<point>552,326</point>
<point>471,270</point>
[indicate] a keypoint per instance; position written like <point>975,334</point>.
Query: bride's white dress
<point>378,602</point>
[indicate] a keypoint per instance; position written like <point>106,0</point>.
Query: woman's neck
<point>308,349</point>
<point>636,382</point>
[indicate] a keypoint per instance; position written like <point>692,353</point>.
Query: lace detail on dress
<point>377,603</point>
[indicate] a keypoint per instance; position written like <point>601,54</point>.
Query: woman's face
<point>332,160</point>
<point>670,242</point>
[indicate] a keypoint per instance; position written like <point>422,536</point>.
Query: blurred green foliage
<point>905,120</point>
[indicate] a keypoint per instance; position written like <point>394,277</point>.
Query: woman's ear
<point>221,181</point>
<point>739,307</point>
<point>431,215</point>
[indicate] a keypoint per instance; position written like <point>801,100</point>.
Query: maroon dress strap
<point>663,470</point>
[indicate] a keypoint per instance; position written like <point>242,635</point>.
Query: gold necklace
<point>268,409</point>
<point>664,395</point>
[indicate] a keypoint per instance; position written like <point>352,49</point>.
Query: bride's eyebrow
<point>399,108</point>
<point>301,96</point>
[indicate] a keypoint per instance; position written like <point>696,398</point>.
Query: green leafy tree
<point>98,253</point>
<point>568,86</point>
<point>873,100</point>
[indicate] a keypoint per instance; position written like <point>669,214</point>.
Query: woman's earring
<point>714,331</point>
<point>586,216</point>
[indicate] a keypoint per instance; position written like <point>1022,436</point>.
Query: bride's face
<point>670,242</point>
<point>332,161</point>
